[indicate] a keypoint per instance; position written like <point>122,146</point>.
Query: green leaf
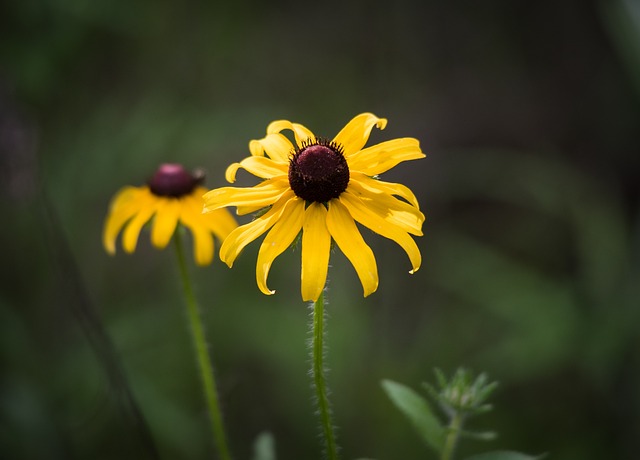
<point>504,455</point>
<point>417,410</point>
<point>264,447</point>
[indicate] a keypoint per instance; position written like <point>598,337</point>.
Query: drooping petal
<point>148,205</point>
<point>165,221</point>
<point>356,133</point>
<point>379,186</point>
<point>259,166</point>
<point>316,246</point>
<point>384,156</point>
<point>261,195</point>
<point>366,217</point>
<point>277,146</point>
<point>245,234</point>
<point>389,208</point>
<point>300,132</point>
<point>123,207</point>
<point>201,227</point>
<point>278,240</point>
<point>203,245</point>
<point>348,238</point>
<point>220,221</point>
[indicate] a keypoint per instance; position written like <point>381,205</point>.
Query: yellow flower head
<point>322,187</point>
<point>172,196</point>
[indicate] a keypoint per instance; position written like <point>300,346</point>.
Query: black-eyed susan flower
<point>322,188</point>
<point>172,196</point>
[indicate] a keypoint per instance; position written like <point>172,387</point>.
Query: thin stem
<point>202,354</point>
<point>319,380</point>
<point>452,436</point>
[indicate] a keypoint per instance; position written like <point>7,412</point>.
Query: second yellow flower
<point>322,187</point>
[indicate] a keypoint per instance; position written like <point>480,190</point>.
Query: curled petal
<point>348,238</point>
<point>259,166</point>
<point>316,246</point>
<point>230,173</point>
<point>275,145</point>
<point>382,157</point>
<point>363,214</point>
<point>123,207</point>
<point>259,196</point>
<point>300,132</point>
<point>245,234</point>
<point>389,208</point>
<point>278,239</point>
<point>356,133</point>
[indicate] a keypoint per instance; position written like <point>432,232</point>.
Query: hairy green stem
<point>202,354</point>
<point>453,431</point>
<point>319,380</point>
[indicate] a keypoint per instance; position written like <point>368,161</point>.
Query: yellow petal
<point>203,245</point>
<point>245,234</point>
<point>356,133</point>
<point>384,156</point>
<point>389,208</point>
<point>300,132</point>
<point>316,245</point>
<point>379,186</point>
<point>123,207</point>
<point>277,146</point>
<point>165,221</point>
<point>243,210</point>
<point>278,239</point>
<point>372,220</point>
<point>348,238</point>
<point>148,205</point>
<point>259,166</point>
<point>261,195</point>
<point>201,226</point>
<point>220,222</point>
<point>202,237</point>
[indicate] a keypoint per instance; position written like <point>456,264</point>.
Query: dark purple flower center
<point>171,179</point>
<point>318,171</point>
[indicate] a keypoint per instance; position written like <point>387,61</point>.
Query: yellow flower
<point>322,188</point>
<point>172,196</point>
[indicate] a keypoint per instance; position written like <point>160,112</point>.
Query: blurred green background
<point>529,113</point>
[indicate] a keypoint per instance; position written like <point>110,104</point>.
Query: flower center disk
<point>173,180</point>
<point>319,172</point>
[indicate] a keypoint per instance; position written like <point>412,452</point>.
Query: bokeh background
<point>529,113</point>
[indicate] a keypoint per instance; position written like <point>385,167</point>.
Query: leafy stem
<point>453,431</point>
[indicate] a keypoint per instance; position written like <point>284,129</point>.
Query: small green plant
<point>459,398</point>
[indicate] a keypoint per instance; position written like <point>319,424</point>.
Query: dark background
<point>529,114</point>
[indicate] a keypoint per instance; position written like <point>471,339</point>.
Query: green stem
<point>202,354</point>
<point>453,430</point>
<point>319,380</point>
